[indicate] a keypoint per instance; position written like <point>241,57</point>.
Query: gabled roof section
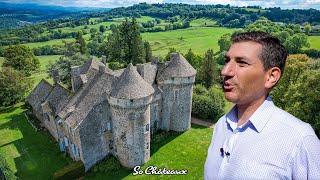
<point>90,64</point>
<point>178,66</point>
<point>39,94</point>
<point>131,85</point>
<point>92,94</point>
<point>58,98</point>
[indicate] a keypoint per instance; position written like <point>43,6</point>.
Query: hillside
<point>14,15</point>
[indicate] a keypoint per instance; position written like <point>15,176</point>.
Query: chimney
<point>104,59</point>
<point>102,69</point>
<point>55,76</point>
<point>154,60</point>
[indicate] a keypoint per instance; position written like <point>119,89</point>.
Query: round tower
<point>130,101</point>
<point>176,80</point>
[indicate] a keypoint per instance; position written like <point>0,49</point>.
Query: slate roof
<point>91,64</point>
<point>58,98</point>
<point>148,72</point>
<point>39,94</point>
<point>178,66</point>
<point>131,85</point>
<point>90,95</point>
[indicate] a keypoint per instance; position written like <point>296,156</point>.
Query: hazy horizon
<point>283,4</point>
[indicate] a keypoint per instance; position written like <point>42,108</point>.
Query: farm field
<point>200,39</point>
<point>314,42</point>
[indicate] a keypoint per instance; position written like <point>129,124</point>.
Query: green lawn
<point>30,154</point>
<point>314,42</point>
<point>200,39</point>
<point>175,151</point>
<point>41,74</point>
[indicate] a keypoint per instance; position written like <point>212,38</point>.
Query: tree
<point>102,28</point>
<point>148,51</point>
<point>224,42</point>
<point>125,43</point>
<point>208,73</point>
<point>289,34</point>
<point>307,28</point>
<point>13,86</point>
<point>20,58</point>
<point>298,91</point>
<point>64,65</point>
<point>81,42</point>
<point>193,59</point>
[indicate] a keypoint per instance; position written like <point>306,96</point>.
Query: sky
<point>283,4</point>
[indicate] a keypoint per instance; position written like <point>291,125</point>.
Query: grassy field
<point>202,22</point>
<point>41,74</point>
<point>50,43</point>
<point>200,39</point>
<point>314,42</point>
<point>30,154</point>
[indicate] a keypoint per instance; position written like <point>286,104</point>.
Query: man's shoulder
<point>291,123</point>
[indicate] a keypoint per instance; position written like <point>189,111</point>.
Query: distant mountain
<point>15,15</point>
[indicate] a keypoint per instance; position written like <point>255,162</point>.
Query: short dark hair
<point>273,53</point>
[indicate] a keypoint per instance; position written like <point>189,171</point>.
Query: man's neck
<point>246,110</point>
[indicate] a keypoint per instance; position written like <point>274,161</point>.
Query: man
<point>256,139</point>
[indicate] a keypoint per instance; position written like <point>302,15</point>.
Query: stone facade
<point>115,112</point>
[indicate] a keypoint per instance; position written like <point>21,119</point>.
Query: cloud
<point>285,4</point>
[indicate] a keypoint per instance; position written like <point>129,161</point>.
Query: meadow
<point>314,42</point>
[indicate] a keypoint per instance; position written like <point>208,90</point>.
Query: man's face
<point>243,74</point>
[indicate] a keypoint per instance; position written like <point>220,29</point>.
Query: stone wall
<point>131,138</point>
<point>94,146</point>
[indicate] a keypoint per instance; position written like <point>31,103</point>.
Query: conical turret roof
<point>177,67</point>
<point>131,85</point>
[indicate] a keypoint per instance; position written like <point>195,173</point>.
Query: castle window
<point>175,95</point>
<point>110,144</point>
<point>108,126</point>
<point>66,142</point>
<point>147,127</point>
<point>131,100</point>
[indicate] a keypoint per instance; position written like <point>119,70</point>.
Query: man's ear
<point>272,77</point>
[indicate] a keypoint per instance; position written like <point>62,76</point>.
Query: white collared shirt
<point>273,144</point>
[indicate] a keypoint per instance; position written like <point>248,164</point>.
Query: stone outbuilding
<point>115,112</point>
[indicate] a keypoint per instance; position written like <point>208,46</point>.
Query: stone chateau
<point>114,112</point>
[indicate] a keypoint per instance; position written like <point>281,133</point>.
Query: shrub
<point>199,89</point>
<point>5,171</point>
<point>71,171</point>
<point>205,107</point>
<point>217,95</point>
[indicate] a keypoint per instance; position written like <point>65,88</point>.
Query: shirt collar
<point>258,119</point>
